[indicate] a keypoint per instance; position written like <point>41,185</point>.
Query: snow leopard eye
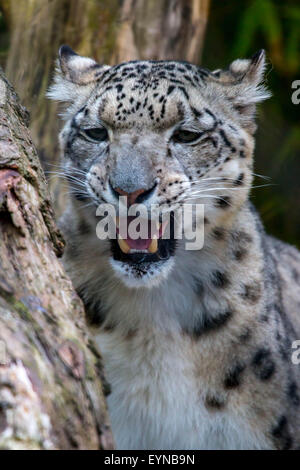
<point>98,134</point>
<point>182,136</point>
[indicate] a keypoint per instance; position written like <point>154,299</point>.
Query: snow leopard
<point>199,346</point>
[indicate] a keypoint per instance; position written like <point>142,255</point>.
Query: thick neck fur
<point>198,294</point>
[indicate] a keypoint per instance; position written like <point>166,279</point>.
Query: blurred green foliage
<point>238,29</point>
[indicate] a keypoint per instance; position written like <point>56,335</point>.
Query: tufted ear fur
<point>75,76</point>
<point>242,86</point>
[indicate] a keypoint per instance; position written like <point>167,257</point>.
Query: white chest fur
<point>158,400</point>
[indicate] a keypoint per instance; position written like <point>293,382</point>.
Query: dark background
<point>237,29</point>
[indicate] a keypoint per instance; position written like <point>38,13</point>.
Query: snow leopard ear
<point>77,69</point>
<point>75,75</point>
<point>243,86</point>
<point>250,74</point>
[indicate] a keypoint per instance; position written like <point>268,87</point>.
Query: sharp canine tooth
<point>123,245</point>
<point>153,245</point>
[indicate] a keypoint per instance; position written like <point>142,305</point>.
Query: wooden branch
<point>161,29</point>
<point>51,383</point>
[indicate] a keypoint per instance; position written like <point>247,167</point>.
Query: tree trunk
<point>51,393</point>
<point>161,30</point>
<point>110,31</point>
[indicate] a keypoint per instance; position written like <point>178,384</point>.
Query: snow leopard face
<point>161,133</point>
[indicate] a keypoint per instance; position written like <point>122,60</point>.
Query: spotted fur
<point>197,349</point>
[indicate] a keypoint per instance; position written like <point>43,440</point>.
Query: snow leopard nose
<point>136,197</point>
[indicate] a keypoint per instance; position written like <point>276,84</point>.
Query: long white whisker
<point>87,205</point>
<point>65,173</point>
<point>230,188</point>
<point>70,179</point>
<point>262,176</point>
<point>216,189</point>
<point>204,196</point>
<point>224,178</point>
<point>219,198</point>
<point>263,185</point>
<point>64,169</point>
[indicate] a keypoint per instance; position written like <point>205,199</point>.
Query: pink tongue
<point>139,244</point>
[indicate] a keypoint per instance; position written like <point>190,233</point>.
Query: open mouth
<point>159,246</point>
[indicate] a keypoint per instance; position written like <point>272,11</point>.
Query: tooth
<point>123,245</point>
<point>153,245</point>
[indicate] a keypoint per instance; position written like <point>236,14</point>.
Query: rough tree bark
<point>51,393</point>
<point>161,29</point>
<point>110,31</point>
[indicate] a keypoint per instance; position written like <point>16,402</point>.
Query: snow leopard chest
<point>160,398</point>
